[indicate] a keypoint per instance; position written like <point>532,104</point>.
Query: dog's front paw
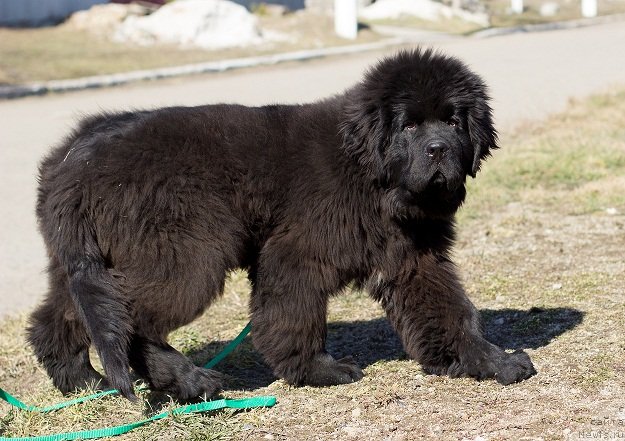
<point>497,364</point>
<point>488,362</point>
<point>326,371</point>
<point>514,367</point>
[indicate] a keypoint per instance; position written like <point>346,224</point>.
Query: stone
<point>103,19</point>
<point>423,9</point>
<point>208,24</point>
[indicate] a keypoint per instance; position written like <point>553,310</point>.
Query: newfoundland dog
<point>144,213</point>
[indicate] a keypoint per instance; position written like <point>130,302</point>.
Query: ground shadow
<point>531,329</point>
<point>374,340</point>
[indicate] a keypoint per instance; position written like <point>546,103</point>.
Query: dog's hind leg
<point>169,371</point>
<point>60,340</point>
<point>167,304</point>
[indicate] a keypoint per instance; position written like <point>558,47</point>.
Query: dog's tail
<point>101,305</point>
<point>104,311</point>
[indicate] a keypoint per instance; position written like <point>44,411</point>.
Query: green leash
<point>230,347</point>
<point>243,403</point>
<point>4,395</point>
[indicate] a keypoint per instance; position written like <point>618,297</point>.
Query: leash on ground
<point>207,406</point>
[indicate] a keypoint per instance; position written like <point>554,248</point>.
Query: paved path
<point>531,75</point>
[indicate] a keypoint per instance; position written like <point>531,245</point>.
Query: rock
<point>103,19</point>
<point>549,9</point>
<point>208,24</point>
<point>423,9</point>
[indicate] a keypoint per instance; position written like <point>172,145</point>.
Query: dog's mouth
<point>437,184</point>
<point>438,179</point>
<point>440,185</point>
<point>443,183</point>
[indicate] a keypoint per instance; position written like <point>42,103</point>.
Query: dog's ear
<point>482,132</point>
<point>364,129</point>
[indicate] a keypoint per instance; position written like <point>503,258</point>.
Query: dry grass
<point>60,52</point>
<point>541,247</point>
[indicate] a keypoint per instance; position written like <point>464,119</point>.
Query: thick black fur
<point>144,213</point>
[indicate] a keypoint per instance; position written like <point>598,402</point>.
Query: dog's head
<point>420,123</point>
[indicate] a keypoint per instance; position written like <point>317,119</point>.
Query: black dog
<point>144,213</point>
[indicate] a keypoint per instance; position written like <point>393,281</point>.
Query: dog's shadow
<point>374,340</point>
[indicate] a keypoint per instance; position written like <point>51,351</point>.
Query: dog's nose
<point>436,149</point>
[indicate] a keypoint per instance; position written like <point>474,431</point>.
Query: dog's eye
<point>453,122</point>
<point>410,126</point>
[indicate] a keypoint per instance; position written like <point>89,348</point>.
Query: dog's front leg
<point>439,326</point>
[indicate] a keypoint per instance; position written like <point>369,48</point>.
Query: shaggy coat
<point>144,213</point>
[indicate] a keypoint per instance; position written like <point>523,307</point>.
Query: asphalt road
<point>531,75</point>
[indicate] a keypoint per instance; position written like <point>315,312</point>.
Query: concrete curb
<point>58,86</point>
